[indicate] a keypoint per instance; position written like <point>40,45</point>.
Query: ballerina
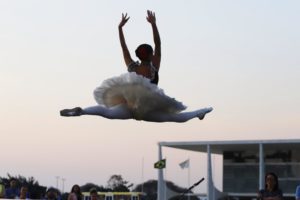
<point>135,95</point>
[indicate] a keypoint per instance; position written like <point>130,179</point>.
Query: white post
<point>160,181</point>
<point>63,185</point>
<point>57,179</point>
<point>210,185</point>
<point>261,167</point>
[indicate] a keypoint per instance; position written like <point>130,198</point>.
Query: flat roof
<point>218,147</point>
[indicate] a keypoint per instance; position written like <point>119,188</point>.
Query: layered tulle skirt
<point>137,93</point>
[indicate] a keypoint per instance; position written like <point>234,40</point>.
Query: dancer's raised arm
<point>157,49</point>
<point>125,50</point>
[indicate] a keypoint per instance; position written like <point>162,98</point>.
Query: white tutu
<point>137,93</point>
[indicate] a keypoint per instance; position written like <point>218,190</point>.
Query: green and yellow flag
<point>160,164</point>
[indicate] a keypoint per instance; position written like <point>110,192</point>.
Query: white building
<point>244,164</point>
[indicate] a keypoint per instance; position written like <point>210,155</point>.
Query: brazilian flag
<point>160,164</point>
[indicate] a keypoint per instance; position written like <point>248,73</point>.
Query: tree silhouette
<point>36,191</point>
<point>150,189</point>
<point>88,186</point>
<point>117,183</point>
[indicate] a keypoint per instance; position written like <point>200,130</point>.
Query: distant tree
<point>88,186</point>
<point>5,181</point>
<point>150,189</point>
<point>117,184</point>
<point>36,191</point>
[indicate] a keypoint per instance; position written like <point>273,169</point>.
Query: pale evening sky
<point>240,57</point>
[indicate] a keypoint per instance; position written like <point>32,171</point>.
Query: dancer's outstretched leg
<point>116,112</point>
<point>177,117</point>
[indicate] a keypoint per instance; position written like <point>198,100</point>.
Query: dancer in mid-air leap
<point>135,95</point>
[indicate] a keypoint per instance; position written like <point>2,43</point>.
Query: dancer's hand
<point>151,17</point>
<point>124,20</point>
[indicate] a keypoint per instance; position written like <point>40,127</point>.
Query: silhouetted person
<point>13,191</point>
<point>271,191</point>
<point>24,194</point>
<point>77,191</point>
<point>297,194</point>
<point>52,194</point>
<point>94,194</point>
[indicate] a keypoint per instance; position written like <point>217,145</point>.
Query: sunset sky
<point>240,57</point>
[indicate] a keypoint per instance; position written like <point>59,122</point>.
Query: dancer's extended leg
<point>116,112</point>
<point>177,117</point>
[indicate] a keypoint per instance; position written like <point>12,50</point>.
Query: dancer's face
<point>144,52</point>
<point>150,56</point>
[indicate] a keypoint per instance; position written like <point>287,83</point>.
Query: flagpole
<point>142,174</point>
<point>165,182</point>
<point>189,189</point>
<point>160,181</point>
<point>189,177</point>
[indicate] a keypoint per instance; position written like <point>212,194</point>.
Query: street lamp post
<point>57,179</point>
<point>63,185</point>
